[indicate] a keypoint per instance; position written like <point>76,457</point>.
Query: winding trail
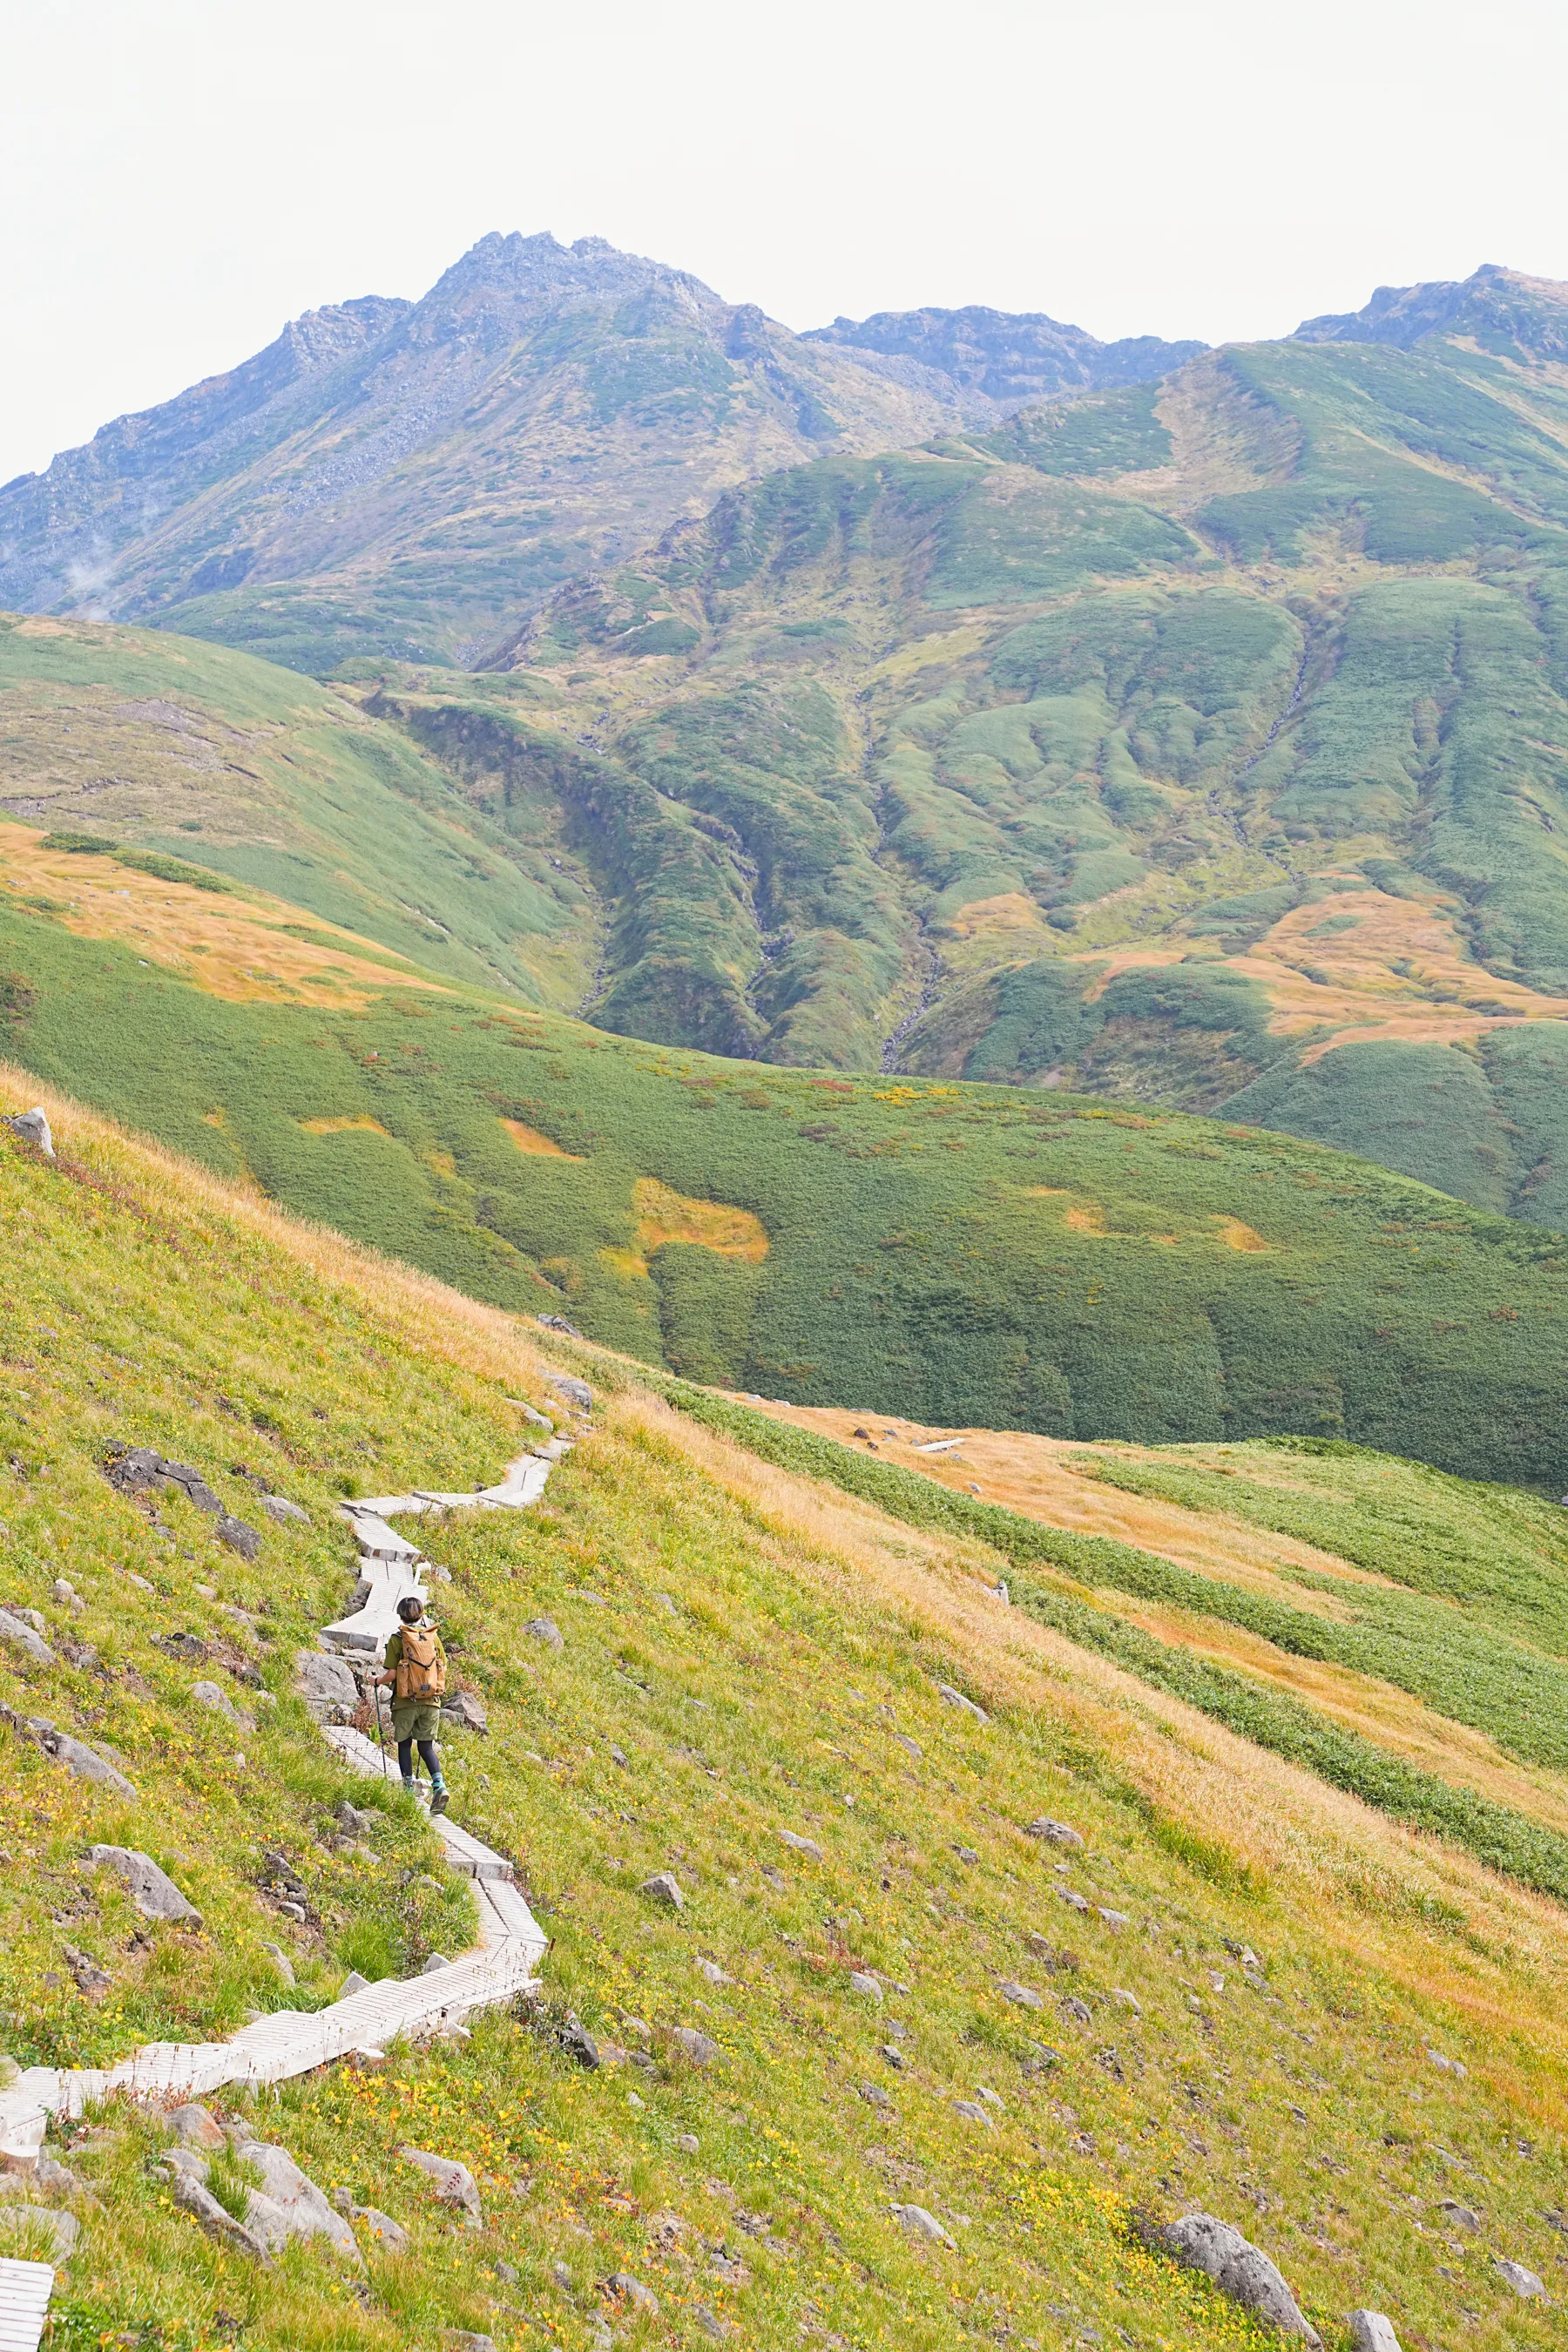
<point>287,2043</point>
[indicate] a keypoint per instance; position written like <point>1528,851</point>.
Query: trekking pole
<point>380,1735</point>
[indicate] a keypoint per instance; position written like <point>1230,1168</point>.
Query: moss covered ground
<point>1248,2029</point>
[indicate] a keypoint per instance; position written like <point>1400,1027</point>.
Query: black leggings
<point>431,1761</point>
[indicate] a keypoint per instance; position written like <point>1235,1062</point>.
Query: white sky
<point>177,177</point>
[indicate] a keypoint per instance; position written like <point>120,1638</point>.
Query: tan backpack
<point>421,1671</point>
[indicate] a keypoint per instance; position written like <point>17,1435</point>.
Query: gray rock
<point>1523,2282</point>
<point>353,1982</point>
<point>289,2204</point>
<point>197,2128</point>
<point>238,1535</point>
<point>575,2040</point>
<point>623,2288</point>
<point>1125,2000</point>
<point>861,1981</point>
<point>1371,2332</point>
<point>15,1635</point>
<point>911,1747</point>
<point>48,2220</point>
<point>1239,2269</point>
<point>699,2047</point>
<point>711,2324</point>
<point>457,2340</point>
<point>87,1763</point>
<point>1073,1900</point>
<point>434,1964</point>
<point>155,1894</point>
<point>951,1698</point>
<point>713,1973</point>
<point>465,1711</point>
<point>1078,2011</point>
<point>382,2228</point>
<point>1459,2217</point>
<point>1448,2066</point>
<point>808,1846</point>
<point>576,1391</point>
<point>32,1127</point>
<point>1115,1920</point>
<point>455,2184</point>
<point>357,1820</point>
<point>545,1630</point>
<point>212,1694</point>
<point>280,1961</point>
<point>58,2179</point>
<point>664,1887</point>
<point>278,1508</point>
<point>325,1683</point>
<point>921,2223</point>
<point>972,2113</point>
<point>192,2198</point>
<point>875,2096</point>
<point>1024,1995</point>
<point>1055,1834</point>
<point>188,2162</point>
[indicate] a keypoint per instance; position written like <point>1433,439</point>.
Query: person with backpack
<point>417,1669</point>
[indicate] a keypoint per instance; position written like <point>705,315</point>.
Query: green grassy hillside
<point>1199,743</point>
<point>168,744</point>
<point>1243,2024</point>
<point>956,1252</point>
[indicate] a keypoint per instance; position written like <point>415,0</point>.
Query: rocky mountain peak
<point>1502,309</point>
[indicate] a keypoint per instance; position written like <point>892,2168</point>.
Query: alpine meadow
<point>854,1044</point>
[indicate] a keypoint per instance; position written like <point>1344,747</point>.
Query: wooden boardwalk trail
<point>287,2043</point>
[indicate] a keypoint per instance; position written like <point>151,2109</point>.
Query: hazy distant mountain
<point>1503,310</point>
<point>414,478</point>
<point>1000,360</point>
<point>406,478</point>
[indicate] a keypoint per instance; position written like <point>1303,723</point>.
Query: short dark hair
<point>411,1608</point>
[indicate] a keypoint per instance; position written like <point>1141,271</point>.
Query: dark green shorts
<point>416,1718</point>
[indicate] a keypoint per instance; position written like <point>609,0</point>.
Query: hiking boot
<point>438,1799</point>
<point>409,1786</point>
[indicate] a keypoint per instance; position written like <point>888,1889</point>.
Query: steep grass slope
<point>174,746</point>
<point>1200,743</point>
<point>963,1253</point>
<point>1243,2023</point>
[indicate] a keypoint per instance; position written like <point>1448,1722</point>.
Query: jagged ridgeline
<point>956,1252</point>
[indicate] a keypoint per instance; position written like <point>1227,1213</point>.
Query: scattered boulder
<point>1458,2216</point>
<point>289,2204</point>
<point>79,1758</point>
<point>32,1127</point>
<point>436,1963</point>
<point>972,2113</point>
<point>238,1535</point>
<point>711,2324</point>
<point>920,2223</point>
<point>326,1683</point>
<point>621,2288</point>
<point>545,1630</point>
<point>278,1508</point>
<point>64,2228</point>
<point>15,1635</point>
<point>664,1887</point>
<point>356,1821</point>
<point>193,2197</point>
<point>1024,1995</point>
<point>1371,2332</point>
<point>911,1747</point>
<point>713,1973</point>
<point>155,1894</point>
<point>1239,2269</point>
<point>559,1323</point>
<point>808,1846</point>
<point>1055,1834</point>
<point>457,2340</point>
<point>574,2038</point>
<point>1114,1920</point>
<point>1448,2066</point>
<point>212,1694</point>
<point>1125,2000</point>
<point>1523,2282</point>
<point>464,1711</point>
<point>195,2127</point>
<point>280,1961</point>
<point>861,1981</point>
<point>455,2184</point>
<point>380,2226</point>
<point>951,1698</point>
<point>353,1982</point>
<point>698,2047</point>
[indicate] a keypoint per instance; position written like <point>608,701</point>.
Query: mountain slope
<point>1202,743</point>
<point>1005,359</point>
<point>403,478</point>
<point>1240,2020</point>
<point>953,1251</point>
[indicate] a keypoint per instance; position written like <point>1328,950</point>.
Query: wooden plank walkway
<point>289,2042</point>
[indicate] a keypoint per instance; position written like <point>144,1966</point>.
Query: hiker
<point>417,1669</point>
